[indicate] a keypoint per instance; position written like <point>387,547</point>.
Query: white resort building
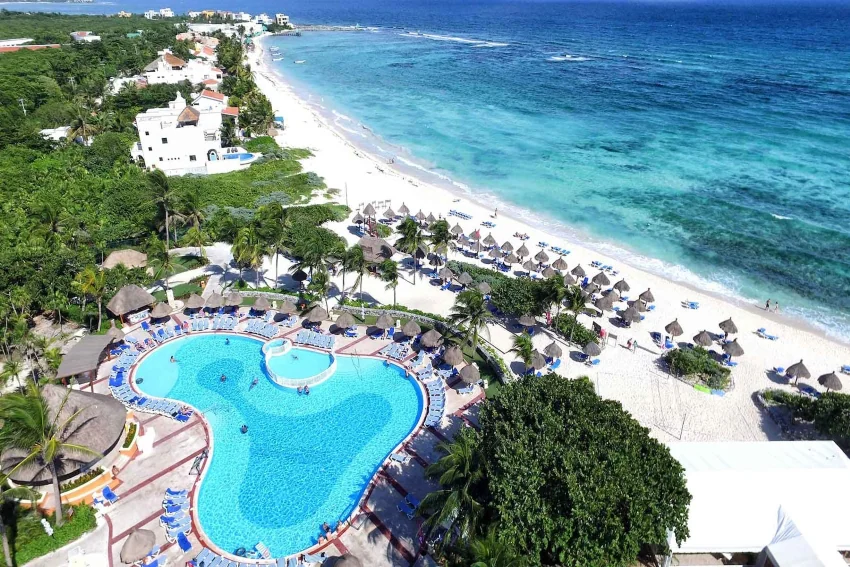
<point>168,68</point>
<point>281,19</point>
<point>182,139</point>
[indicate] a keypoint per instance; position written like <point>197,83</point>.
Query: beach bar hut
<point>84,358</point>
<point>130,299</point>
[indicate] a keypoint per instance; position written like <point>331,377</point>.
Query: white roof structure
<point>738,489</point>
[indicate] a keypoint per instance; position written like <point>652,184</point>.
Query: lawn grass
<point>180,291</point>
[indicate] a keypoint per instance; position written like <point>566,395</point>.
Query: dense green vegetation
<point>830,413</point>
<point>541,479</point>
<point>28,539</point>
<point>698,363</point>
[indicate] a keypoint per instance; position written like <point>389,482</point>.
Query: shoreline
<point>552,230</point>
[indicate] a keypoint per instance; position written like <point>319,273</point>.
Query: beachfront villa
<point>182,139</point>
<point>161,13</point>
<point>281,19</point>
<point>170,69</point>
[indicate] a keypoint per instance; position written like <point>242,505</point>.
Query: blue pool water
<point>299,363</point>
<point>305,459</point>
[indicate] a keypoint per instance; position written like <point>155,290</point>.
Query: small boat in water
<point>277,58</point>
<point>301,61</point>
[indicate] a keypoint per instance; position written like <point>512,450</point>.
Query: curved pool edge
<point>365,494</point>
<point>271,350</point>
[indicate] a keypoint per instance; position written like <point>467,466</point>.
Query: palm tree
<point>6,494</point>
<point>389,273</point>
<point>458,472</point>
<point>357,263</point>
<point>28,427</point>
<point>248,251</point>
<point>190,210</point>
<point>441,237</point>
<point>523,348</point>
<point>196,238</point>
<point>320,284</point>
<point>12,368</point>
<point>92,281</point>
<point>490,551</point>
<point>312,252</point>
<point>554,292</point>
<point>574,301</point>
<point>55,303</point>
<point>163,196</point>
<point>82,125</point>
<point>160,260</point>
<point>470,312</point>
<point>410,239</point>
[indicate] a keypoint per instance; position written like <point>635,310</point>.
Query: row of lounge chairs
<point>317,340</point>
<point>122,392</point>
<point>604,267</point>
<point>765,335</point>
<point>258,327</point>
<point>459,214</point>
<point>396,351</point>
<point>209,559</point>
<point>175,518</point>
<point>162,333</point>
<point>437,401</point>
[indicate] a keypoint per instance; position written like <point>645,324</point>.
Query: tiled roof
<point>173,60</point>
<point>206,93</point>
<point>230,111</point>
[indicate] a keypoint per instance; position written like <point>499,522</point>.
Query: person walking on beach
<point>776,307</point>
<point>767,305</point>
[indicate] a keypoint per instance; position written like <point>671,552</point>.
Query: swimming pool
<point>299,363</point>
<point>305,459</point>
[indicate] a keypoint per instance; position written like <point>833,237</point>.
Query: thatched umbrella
<point>569,280</point>
<point>129,298</point>
<point>475,236</point>
<point>346,560</point>
<point>484,288</point>
<point>464,279</point>
<point>578,271</point>
<point>137,546</point>
<point>592,349</point>
<point>431,338</point>
<point>160,310</point>
<point>262,303</point>
<point>470,374</point>
<point>523,252</point>
<point>560,264</point>
<point>549,272</point>
<point>456,230</point>
<point>403,210</point>
<point>553,350</point>
<point>591,288</point>
<point>358,219</point>
<point>317,314</point>
<point>797,371</point>
<point>376,250</point>
<point>601,279</point>
<point>542,257</point>
<point>411,328</point>
<point>629,315</point>
<point>489,240</point>
<point>300,276</point>
<point>527,320</point>
<point>345,320</point>
<point>647,296</point>
<point>529,266</point>
<point>621,286</point>
<point>495,253</point>
<point>639,305</point>
<point>233,299</point>
<point>453,356</point>
<point>733,348</point>
<point>830,382</point>
<point>674,329</point>
<point>288,308</point>
<point>384,322</point>
<point>214,301</point>
<point>128,258</point>
<point>389,214</point>
<point>114,332</point>
<point>703,339</point>
<point>507,247</point>
<point>605,303</point>
<point>511,259</point>
<point>728,326</point>
<point>369,211</point>
<point>445,273</point>
<point>195,301</point>
<point>538,361</point>
<point>431,219</point>
<point>420,216</point>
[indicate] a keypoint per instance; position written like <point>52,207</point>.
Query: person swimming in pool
<point>306,390</point>
<point>173,359</point>
<point>227,340</point>
<point>300,390</point>
<point>294,357</point>
<point>223,378</point>
<point>254,382</point>
<point>244,429</point>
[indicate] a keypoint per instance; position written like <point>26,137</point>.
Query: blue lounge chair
<point>174,509</point>
<point>205,556</point>
<point>412,500</point>
<point>184,543</point>
<point>176,493</point>
<point>555,364</point>
<point>402,458</point>
<point>405,508</point>
<point>158,562</point>
<point>846,369</point>
<point>466,390</point>
<point>109,496</point>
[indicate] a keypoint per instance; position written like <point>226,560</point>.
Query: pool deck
<point>379,534</point>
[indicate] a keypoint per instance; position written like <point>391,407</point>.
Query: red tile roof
<point>208,50</point>
<point>173,60</point>
<point>210,82</point>
<point>11,49</point>
<point>230,111</point>
<point>215,70</point>
<point>206,93</point>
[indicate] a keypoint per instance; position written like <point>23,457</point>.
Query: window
<point>160,159</point>
<point>165,140</point>
<point>193,158</point>
<point>150,149</point>
<point>147,133</point>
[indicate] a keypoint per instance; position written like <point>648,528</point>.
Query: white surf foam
<point>570,58</point>
<point>455,39</point>
<point>780,217</point>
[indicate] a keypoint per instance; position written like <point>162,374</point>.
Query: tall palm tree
<point>523,348</point>
<point>458,472</point>
<point>29,427</point>
<point>6,494</point>
<point>441,237</point>
<point>12,368</point>
<point>164,197</point>
<point>312,253</point>
<point>190,211</point>
<point>575,304</point>
<point>55,303</point>
<point>82,123</point>
<point>357,264</point>
<point>320,284</point>
<point>389,273</point>
<point>248,251</point>
<point>410,239</point>
<point>92,281</point>
<point>490,551</point>
<point>470,312</point>
<point>196,238</point>
<point>554,293</point>
<point>160,260</point>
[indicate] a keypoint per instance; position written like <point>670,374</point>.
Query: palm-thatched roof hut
<point>431,338</point>
<point>345,320</point>
<point>375,250</point>
<point>288,308</point>
<point>445,273</point>
<point>214,301</point>
<point>621,286</point>
<point>592,349</point>
<point>601,279</point>
<point>464,279</point>
<point>527,320</point>
<point>630,315</point>
<point>549,272</point>
<point>732,348</point>
<point>674,329</point>
<point>797,371</point>
<point>161,310</point>
<point>128,258</point>
<point>233,299</point>
<point>830,381</point>
<point>98,427</point>
<point>542,257</point>
<point>114,333</point>
<point>605,303</point>
<point>647,296</point>
<point>411,328</point>
<point>384,322</point>
<point>728,326</point>
<point>569,280</point>
<point>507,246</point>
<point>523,251</point>
<point>560,264</point>
<point>195,301</point>
<point>703,339</point>
<point>470,374</point>
<point>369,210</point>
<point>84,357</point>
<point>484,288</point>
<point>453,355</point>
<point>317,314</point>
<point>403,210</point>
<point>456,230</point>
<point>357,218</point>
<point>554,350</point>
<point>262,303</point>
<point>128,299</point>
<point>578,271</point>
<point>538,361</point>
<point>137,546</point>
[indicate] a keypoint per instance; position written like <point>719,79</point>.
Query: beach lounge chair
<point>176,493</point>
<point>402,458</point>
<point>314,558</point>
<point>160,561</point>
<point>845,369</point>
<point>184,528</point>
<point>184,543</point>
<point>109,496</point>
<point>466,390</point>
<point>176,500</point>
<point>412,500</point>
<point>555,364</point>
<point>405,508</point>
<point>171,509</point>
<point>593,362</point>
<point>167,521</point>
<point>205,556</point>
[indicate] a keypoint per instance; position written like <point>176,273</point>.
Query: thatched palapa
<point>195,301</point>
<point>128,258</point>
<point>85,356</point>
<point>453,355</point>
<point>262,303</point>
<point>137,546</point>
<point>375,250</point>
<point>470,374</point>
<point>161,310</point>
<point>128,299</point>
<point>431,339</point>
<point>411,328</point>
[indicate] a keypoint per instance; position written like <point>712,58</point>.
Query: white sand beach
<point>671,409</point>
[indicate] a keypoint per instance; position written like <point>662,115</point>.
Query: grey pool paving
<point>305,459</point>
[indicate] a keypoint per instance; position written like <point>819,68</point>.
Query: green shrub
<point>383,230</point>
<point>131,434</point>
<point>567,327</point>
<point>479,274</point>
<point>31,542</point>
<point>518,296</point>
<point>698,362</point>
<point>81,480</point>
<point>831,415</point>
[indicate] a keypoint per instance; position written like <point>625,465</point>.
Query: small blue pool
<point>305,459</point>
<point>241,157</point>
<point>300,363</point>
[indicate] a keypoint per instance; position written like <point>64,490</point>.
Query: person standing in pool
<point>306,390</point>
<point>227,340</point>
<point>244,429</point>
